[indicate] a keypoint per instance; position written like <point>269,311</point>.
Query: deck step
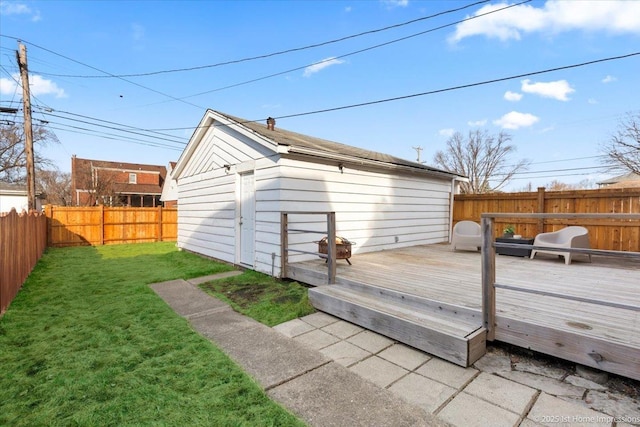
<point>443,330</point>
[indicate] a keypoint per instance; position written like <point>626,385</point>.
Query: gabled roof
<point>627,180</point>
<point>162,170</point>
<point>288,142</point>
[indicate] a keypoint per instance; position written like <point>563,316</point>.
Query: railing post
<point>488,277</point>
<point>284,244</point>
<point>541,197</point>
<point>331,246</point>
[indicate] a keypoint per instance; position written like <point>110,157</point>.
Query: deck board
<point>438,273</point>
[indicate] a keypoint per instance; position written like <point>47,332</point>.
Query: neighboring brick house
<point>99,182</point>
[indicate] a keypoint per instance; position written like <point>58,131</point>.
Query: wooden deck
<point>601,330</point>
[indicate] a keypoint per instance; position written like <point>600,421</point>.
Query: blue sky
<point>558,120</point>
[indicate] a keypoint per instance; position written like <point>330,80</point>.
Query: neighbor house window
<point>132,178</point>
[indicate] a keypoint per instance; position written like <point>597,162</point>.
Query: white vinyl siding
<point>378,209</point>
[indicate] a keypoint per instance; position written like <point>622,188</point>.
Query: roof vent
<point>271,123</point>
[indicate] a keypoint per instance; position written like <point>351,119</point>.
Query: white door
<point>247,218</point>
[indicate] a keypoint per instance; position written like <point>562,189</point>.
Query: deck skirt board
<point>453,339</point>
<point>556,326</point>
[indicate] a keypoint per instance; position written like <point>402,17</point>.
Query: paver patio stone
<point>614,404</point>
<point>504,393</point>
<point>316,339</point>
<point>293,328</point>
<point>378,371</point>
<point>583,382</point>
<point>319,319</point>
<point>342,329</point>
<point>492,362</point>
<point>423,392</point>
<point>333,396</point>
<point>548,385</point>
<point>447,373</point>
<point>345,353</point>
<point>466,410</point>
<point>370,341</point>
<point>552,411</point>
<point>539,368</point>
<point>404,356</point>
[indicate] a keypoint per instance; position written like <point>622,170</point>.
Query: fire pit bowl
<point>343,247</point>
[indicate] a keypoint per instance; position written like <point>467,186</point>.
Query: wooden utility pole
<point>21,54</point>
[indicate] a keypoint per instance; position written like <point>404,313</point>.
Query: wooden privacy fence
<point>23,239</point>
<point>606,233</point>
<point>99,225</point>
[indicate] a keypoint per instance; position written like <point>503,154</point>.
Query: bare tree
<point>98,186</point>
<point>483,158</point>
<point>556,185</point>
<point>55,186</point>
<point>623,149</point>
<point>13,159</point>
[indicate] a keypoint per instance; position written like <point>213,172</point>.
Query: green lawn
<point>87,342</point>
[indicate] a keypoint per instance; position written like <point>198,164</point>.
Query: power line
<point>94,133</point>
<point>106,72</point>
<point>347,54</point>
<point>282,52</point>
<point>114,128</point>
<point>449,89</point>
<point>50,110</point>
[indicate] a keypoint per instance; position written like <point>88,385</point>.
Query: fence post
<point>49,213</point>
<point>541,203</point>
<point>159,232</point>
<point>101,224</point>
<point>488,278</point>
<point>284,244</point>
<point>331,247</point>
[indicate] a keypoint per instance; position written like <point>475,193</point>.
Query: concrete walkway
<point>332,373</point>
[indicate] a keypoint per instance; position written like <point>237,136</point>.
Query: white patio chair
<point>466,234</point>
<point>568,237</point>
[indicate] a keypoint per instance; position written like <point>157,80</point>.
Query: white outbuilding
<point>236,177</point>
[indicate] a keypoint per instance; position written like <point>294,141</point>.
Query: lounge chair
<point>466,234</point>
<point>568,237</point>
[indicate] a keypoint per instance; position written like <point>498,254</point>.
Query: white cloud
<point>348,9</point>
<point>137,32</point>
<point>327,62</point>
<point>609,79</point>
<point>446,132</point>
<point>512,96</point>
<point>37,84</point>
<point>554,17</point>
<point>516,120</point>
<point>7,87</point>
<point>592,101</point>
<point>478,122</point>
<point>15,8</point>
<point>395,3</point>
<point>556,90</point>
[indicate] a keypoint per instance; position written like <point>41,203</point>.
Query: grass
<point>262,297</point>
<point>87,342</point>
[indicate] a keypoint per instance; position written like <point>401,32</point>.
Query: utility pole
<point>418,150</point>
<point>21,55</point>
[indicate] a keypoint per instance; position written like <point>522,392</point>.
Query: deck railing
<point>489,284</point>
<point>330,232</point>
